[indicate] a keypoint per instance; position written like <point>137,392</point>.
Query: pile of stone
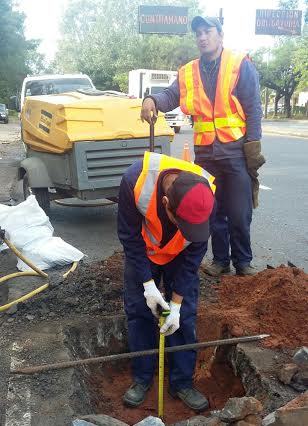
<point>244,411</point>
<point>295,374</point>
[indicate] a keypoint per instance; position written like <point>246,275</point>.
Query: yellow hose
<point>36,272</point>
<point>23,258</point>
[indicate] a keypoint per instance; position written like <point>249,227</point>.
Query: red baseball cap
<point>192,200</point>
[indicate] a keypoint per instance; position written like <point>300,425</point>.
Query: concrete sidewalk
<point>286,127</point>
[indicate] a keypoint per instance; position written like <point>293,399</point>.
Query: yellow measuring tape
<point>161,365</point>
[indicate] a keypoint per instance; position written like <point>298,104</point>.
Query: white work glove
<point>154,297</point>
<point>172,322</point>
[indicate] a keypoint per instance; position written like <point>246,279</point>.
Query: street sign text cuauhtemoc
<point>163,19</point>
<point>278,22</point>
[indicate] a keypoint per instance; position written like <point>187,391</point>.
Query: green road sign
<point>163,19</point>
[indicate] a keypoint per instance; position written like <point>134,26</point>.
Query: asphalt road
<point>280,224</point>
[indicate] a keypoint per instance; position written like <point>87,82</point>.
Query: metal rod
<point>116,357</point>
<point>152,147</point>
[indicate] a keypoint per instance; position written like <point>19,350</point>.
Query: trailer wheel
<point>41,194</point>
<point>177,129</point>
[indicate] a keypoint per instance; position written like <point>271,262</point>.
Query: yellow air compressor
<point>79,144</point>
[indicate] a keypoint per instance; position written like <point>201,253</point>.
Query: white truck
<point>50,84</point>
<point>143,82</point>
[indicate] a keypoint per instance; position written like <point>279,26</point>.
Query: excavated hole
<point>99,388</point>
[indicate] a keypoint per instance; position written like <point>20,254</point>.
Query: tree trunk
<point>287,106</point>
<point>277,97</point>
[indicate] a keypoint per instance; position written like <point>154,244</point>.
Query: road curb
<point>274,132</point>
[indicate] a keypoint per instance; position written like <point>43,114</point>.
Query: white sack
<point>30,230</point>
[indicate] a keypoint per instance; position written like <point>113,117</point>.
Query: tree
<point>100,38</point>
<point>16,53</point>
<point>279,73</point>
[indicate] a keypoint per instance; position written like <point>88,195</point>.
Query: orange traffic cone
<point>186,153</point>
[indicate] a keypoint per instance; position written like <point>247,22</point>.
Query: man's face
<point>208,39</point>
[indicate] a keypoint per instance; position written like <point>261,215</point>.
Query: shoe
<point>135,394</point>
<point>192,398</point>
<point>215,269</point>
<point>246,270</point>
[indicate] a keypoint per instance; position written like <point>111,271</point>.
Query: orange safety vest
<point>145,192</point>
<point>225,120</point>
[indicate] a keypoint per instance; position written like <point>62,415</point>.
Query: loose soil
<point>274,301</point>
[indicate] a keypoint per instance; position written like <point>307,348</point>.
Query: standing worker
<point>220,90</point>
<point>163,213</point>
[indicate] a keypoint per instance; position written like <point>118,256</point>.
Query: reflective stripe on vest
<point>145,192</point>
<point>226,121</point>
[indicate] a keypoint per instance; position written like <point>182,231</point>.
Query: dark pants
<point>143,326</point>
<point>231,219</point>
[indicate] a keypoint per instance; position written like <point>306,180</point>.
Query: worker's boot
<point>215,269</point>
<point>246,270</point>
<point>192,398</point>
<point>135,394</point>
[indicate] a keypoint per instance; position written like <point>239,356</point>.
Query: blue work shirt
<point>129,231</point>
<point>247,91</point>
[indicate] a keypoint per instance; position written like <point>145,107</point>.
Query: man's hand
<point>254,160</point>
<point>148,111</point>
<point>172,322</point>
<point>154,297</point>
<point>253,155</point>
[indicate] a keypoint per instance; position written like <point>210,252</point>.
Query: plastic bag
<point>30,230</point>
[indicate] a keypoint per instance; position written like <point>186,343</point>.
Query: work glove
<point>154,298</point>
<point>254,160</point>
<point>148,111</point>
<point>172,322</point>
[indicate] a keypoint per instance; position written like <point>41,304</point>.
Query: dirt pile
<point>274,301</point>
<point>92,289</point>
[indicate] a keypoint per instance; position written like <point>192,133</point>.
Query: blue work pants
<point>143,326</point>
<point>231,218</point>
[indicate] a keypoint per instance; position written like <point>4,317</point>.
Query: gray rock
<point>102,420</point>
<point>79,422</point>
<point>270,419</point>
<point>287,372</point>
<point>201,421</point>
<point>30,317</point>
<point>150,421</point>
<point>300,358</point>
<point>251,420</point>
<point>301,378</point>
<point>295,413</point>
<point>294,417</point>
<point>239,408</point>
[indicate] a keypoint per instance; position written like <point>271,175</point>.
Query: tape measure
<point>161,365</point>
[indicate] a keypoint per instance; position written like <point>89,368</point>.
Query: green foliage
<point>278,71</point>
<point>16,53</point>
<point>288,4</point>
<point>100,38</point>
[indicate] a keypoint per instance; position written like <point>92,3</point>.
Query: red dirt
<point>219,384</point>
<point>274,302</point>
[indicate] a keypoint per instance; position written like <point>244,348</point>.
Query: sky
<point>43,19</point>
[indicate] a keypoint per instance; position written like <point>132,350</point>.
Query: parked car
<point>4,114</point>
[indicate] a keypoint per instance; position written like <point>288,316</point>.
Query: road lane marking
<point>266,188</point>
<point>19,394</point>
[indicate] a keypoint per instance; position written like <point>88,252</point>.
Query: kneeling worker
<point>163,212</point>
